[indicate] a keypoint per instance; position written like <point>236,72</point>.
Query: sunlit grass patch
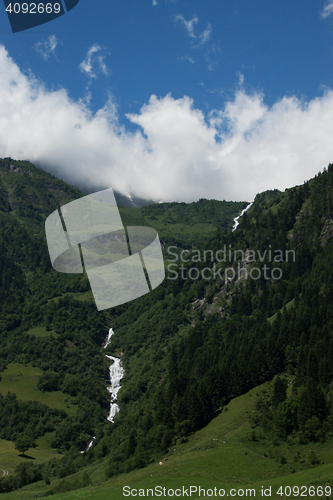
<point>22,380</point>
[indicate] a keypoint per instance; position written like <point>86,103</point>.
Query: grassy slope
<point>223,454</point>
<point>10,458</point>
<point>40,331</point>
<point>185,224</point>
<point>287,306</point>
<point>29,188</point>
<point>205,460</point>
<point>32,189</point>
<point>22,380</point>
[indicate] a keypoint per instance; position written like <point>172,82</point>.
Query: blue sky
<point>173,100</point>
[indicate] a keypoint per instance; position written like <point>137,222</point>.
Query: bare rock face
<point>13,168</point>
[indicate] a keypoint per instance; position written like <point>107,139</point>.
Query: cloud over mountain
<point>178,153</point>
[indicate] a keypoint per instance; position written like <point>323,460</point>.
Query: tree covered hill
<point>229,334</point>
<point>49,321</point>
<point>220,324</point>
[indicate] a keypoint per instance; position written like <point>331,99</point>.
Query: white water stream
<point>236,219</point>
<point>117,371</point>
<point>90,443</point>
<point>116,374</point>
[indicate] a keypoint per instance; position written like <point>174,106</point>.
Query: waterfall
<point>90,443</point>
<point>236,219</point>
<point>116,374</point>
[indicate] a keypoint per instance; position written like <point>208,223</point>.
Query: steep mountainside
<point>235,310</point>
<point>50,330</point>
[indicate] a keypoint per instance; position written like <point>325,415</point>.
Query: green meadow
<point>22,380</point>
<point>11,458</point>
<point>228,453</point>
<point>183,223</point>
<point>232,451</point>
<point>41,331</point>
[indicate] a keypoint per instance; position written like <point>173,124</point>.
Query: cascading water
<point>116,374</point>
<point>90,443</point>
<point>236,219</point>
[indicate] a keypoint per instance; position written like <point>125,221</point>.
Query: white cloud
<point>45,49</point>
<point>94,63</point>
<point>205,35</point>
<point>186,58</point>
<point>328,9</point>
<point>155,2</point>
<point>189,25</point>
<point>240,79</point>
<point>178,154</point>
<point>200,41</point>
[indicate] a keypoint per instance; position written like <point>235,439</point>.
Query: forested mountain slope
<point>49,324</point>
<point>242,332</point>
<point>204,336</point>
